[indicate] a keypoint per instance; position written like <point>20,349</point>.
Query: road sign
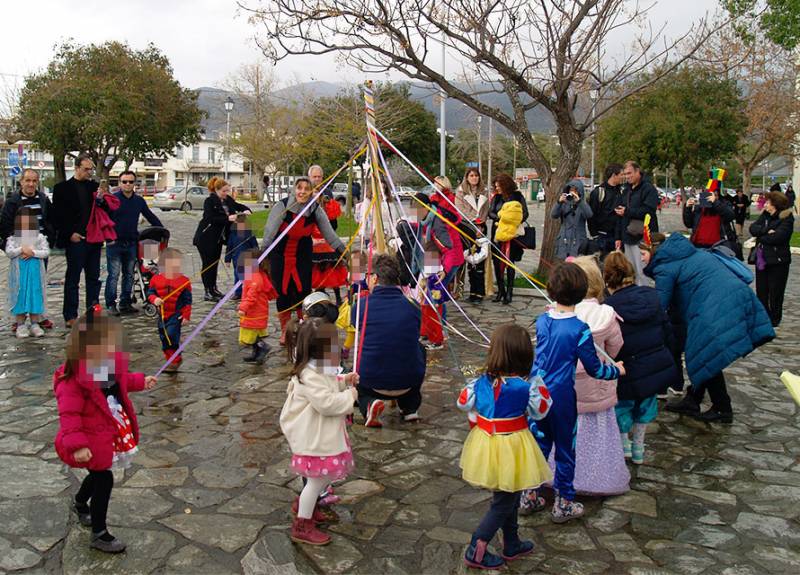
<point>472,164</point>
<point>15,171</point>
<point>13,158</point>
<point>40,164</point>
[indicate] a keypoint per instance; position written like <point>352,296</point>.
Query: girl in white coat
<point>27,279</point>
<point>313,421</point>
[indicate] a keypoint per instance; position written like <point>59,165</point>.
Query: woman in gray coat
<point>573,211</point>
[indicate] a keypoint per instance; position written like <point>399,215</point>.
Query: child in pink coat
<point>98,426</point>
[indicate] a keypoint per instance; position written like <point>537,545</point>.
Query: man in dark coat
<point>391,360</point>
<point>72,207</point>
<point>639,199</point>
<point>603,200</point>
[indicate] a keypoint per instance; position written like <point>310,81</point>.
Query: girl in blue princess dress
<point>500,452</point>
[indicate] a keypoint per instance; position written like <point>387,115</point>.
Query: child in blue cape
<point>561,340</point>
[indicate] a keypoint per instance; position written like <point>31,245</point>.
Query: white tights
<point>308,496</point>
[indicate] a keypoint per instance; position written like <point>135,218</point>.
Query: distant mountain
<point>457,114</point>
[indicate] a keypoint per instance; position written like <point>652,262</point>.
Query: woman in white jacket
<point>313,421</point>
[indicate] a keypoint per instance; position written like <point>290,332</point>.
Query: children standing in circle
<point>98,426</point>
<point>171,292</point>
<point>500,453</point>
<point>561,340</point>
<point>27,276</point>
<point>313,421</point>
<point>254,306</point>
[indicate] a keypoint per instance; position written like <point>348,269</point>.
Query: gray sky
<point>206,40</point>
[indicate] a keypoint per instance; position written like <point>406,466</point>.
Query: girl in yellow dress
<point>500,452</point>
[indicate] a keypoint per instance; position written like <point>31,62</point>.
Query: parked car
<point>180,198</point>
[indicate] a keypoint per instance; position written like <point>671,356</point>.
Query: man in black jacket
<point>72,207</point>
<point>639,198</point>
<point>603,199</point>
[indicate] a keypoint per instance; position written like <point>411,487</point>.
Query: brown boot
<point>305,531</point>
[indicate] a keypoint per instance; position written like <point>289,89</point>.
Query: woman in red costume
<point>325,272</point>
<point>290,260</point>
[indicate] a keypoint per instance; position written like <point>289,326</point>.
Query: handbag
<point>634,228</point>
<point>527,239</point>
<point>101,227</point>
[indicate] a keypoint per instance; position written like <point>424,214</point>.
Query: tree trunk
<point>59,166</point>
<point>679,175</point>
<point>747,175</point>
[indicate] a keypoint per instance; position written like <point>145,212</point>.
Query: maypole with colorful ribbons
<point>372,154</point>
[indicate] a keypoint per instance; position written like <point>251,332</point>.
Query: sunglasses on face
<point>127,181</point>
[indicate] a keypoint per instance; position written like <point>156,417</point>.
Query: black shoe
<point>686,406</point>
<point>211,296</point>
<point>713,415</point>
<point>83,512</point>
<point>112,310</point>
<point>261,352</point>
<point>128,310</point>
<point>217,293</point>
<point>236,297</point>
<point>499,297</point>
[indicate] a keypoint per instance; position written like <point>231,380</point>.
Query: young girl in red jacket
<point>254,306</point>
<point>98,426</point>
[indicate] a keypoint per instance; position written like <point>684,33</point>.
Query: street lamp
<point>594,95</point>
<point>228,110</point>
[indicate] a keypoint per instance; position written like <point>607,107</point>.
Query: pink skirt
<point>333,467</point>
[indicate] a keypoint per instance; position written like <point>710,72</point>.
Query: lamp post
<point>480,161</point>
<point>594,95</point>
<point>228,110</point>
<point>442,112</point>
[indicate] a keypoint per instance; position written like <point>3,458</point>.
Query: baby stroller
<point>152,241</point>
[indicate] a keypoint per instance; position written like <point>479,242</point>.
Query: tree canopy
<point>688,119</point>
<point>110,101</point>
<point>779,20</point>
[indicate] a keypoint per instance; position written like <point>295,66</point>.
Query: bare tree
<point>766,74</point>
<point>536,53</point>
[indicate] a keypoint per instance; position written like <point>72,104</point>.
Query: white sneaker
<point>411,416</point>
<point>23,331</point>
<point>36,330</point>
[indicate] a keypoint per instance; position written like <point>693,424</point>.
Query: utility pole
<point>491,134</point>
<point>480,161</point>
<point>442,111</point>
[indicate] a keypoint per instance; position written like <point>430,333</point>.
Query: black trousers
<point>717,391</point>
<point>209,257</point>
<point>505,284</point>
<point>503,515</point>
<point>477,279</point>
<point>408,403</point>
<point>770,287</point>
<point>97,487</point>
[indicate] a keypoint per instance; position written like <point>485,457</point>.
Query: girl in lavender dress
<point>599,460</point>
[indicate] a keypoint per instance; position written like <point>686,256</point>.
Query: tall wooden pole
<point>372,154</point>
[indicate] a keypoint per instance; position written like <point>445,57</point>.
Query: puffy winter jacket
<point>597,394</point>
<point>510,219</point>
<point>776,244</point>
<point>649,365</point>
<point>724,319</point>
<point>85,419</point>
<point>256,293</point>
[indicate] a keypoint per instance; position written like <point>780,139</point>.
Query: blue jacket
<point>724,319</point>
<point>126,216</point>
<point>647,333</point>
<point>391,356</point>
<point>562,339</point>
<point>239,242</point>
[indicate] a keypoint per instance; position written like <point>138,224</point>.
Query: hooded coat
<point>724,319</point>
<point>649,365</point>
<point>596,395</point>
<point>573,216</point>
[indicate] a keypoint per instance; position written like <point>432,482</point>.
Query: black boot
<point>687,406</point>
<point>217,293</point>
<point>509,286</point>
<point>501,289</point>
<point>211,296</point>
<point>253,353</point>
<point>715,415</point>
<point>261,351</point>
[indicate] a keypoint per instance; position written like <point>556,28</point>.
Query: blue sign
<point>15,171</point>
<point>13,158</point>
<point>472,164</point>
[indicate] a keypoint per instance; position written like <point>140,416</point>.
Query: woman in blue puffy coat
<point>724,319</point>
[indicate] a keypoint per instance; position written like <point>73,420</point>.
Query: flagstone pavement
<point>210,491</point>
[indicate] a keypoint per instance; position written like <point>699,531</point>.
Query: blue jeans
<point>120,255</point>
<point>83,258</point>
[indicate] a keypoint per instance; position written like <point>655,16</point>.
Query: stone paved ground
<point>210,491</point>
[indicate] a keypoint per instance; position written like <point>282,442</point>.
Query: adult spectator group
<point>121,254</point>
<point>573,211</point>
<point>505,190</point>
<point>31,197</point>
<point>773,231</point>
<point>603,200</point>
<point>723,318</point>
<point>640,198</point>
<point>391,359</point>
<point>74,203</point>
<point>219,210</point>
